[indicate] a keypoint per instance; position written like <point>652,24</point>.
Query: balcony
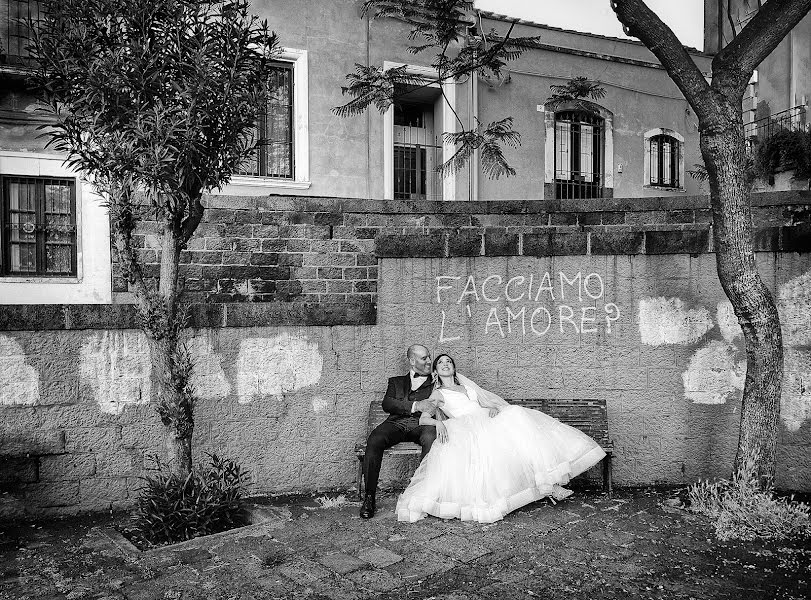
<point>793,119</point>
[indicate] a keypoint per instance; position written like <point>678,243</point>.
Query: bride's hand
<point>493,412</point>
<point>441,432</point>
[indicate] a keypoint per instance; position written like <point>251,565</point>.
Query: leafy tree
<point>155,104</point>
<point>440,23</point>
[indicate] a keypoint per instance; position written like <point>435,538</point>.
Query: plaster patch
<point>19,382</point>
<point>208,377</point>
<point>275,365</point>
<point>321,404</point>
<point>667,321</point>
<point>714,375</point>
<point>728,322</point>
<point>115,365</point>
<point>794,411</point>
<point>794,304</point>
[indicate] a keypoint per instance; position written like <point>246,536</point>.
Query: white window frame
<point>448,125</point>
<point>301,133</point>
<point>93,281</point>
<point>647,164</point>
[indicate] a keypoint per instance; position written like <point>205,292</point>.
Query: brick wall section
<point>298,249</point>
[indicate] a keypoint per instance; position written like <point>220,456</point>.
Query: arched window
<point>579,154</point>
<point>664,161</point>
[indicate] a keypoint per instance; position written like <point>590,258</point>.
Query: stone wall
<point>612,298</point>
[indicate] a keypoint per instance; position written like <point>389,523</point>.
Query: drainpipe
<point>474,84</point>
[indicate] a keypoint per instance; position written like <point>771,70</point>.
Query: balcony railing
<point>793,119</point>
<point>15,19</point>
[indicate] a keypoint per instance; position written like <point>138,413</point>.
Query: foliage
<point>575,91</point>
<point>744,510</point>
<point>784,150</point>
<point>444,27</point>
<point>155,103</point>
<point>487,141</point>
<point>159,96</point>
<point>172,508</point>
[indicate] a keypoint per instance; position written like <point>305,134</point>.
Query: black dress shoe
<point>367,509</point>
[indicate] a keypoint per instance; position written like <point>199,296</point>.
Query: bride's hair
<point>438,382</point>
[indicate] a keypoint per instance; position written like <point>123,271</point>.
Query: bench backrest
<point>589,415</point>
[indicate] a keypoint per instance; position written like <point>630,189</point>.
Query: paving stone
<point>343,563</point>
<point>456,547</point>
<point>303,570</point>
<point>340,589</point>
<point>377,580</point>
<point>379,557</point>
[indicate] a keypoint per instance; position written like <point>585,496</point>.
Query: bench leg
<point>360,477</point>
<point>607,483</point>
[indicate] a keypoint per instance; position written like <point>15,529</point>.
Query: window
<point>281,158</point>
<point>417,151</point>
<point>15,36</point>
<point>579,155</point>
<point>273,155</point>
<point>664,159</point>
<point>38,226</point>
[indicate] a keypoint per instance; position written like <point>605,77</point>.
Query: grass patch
<point>742,510</point>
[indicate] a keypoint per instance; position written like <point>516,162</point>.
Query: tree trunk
<point>723,149</point>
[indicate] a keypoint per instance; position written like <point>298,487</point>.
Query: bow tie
<point>417,376</point>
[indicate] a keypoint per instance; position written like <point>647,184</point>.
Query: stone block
<point>500,243</point>
<point>72,467</point>
<point>25,317</point>
<point>377,580</point>
<point>465,243</point>
<point>102,491</point>
<point>555,244</point>
<point>616,242</point>
<point>34,443</point>
<point>48,495</point>
<point>418,245</point>
<point>17,470</point>
<point>92,439</point>
<point>796,238</point>
<point>379,557</point>
<point>341,563</point>
<point>676,242</point>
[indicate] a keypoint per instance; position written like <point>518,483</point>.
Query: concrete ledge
<point>40,317</point>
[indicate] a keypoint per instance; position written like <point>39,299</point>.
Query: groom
<point>406,397</point>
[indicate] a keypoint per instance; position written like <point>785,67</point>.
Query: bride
<point>493,457</point>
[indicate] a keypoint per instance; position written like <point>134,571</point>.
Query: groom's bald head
<point>419,357</point>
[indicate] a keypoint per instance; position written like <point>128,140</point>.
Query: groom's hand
<point>425,406</point>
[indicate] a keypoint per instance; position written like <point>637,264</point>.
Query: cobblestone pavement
<point>632,546</point>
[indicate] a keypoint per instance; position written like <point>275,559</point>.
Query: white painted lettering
<point>610,309</point>
<point>471,283</point>
<point>569,317</point>
<point>484,293</point>
<point>513,316</point>
<point>520,281</point>
<point>442,337</point>
<point>599,281</point>
<point>584,319</point>
<point>439,287</point>
<point>546,284</point>
<point>492,319</point>
<point>532,320</point>
<point>576,279</point>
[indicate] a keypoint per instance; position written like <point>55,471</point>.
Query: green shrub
<point>785,150</point>
<point>743,511</point>
<point>210,499</point>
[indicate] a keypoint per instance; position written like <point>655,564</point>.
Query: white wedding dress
<point>491,466</point>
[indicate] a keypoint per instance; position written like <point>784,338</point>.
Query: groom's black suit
<point>401,426</point>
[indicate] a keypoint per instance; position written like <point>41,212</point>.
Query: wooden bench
<point>587,415</point>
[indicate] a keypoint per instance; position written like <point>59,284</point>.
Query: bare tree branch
<point>734,64</point>
<point>641,22</point>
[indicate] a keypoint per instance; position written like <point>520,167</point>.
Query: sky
<point>685,17</point>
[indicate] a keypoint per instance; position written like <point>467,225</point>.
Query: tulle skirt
<point>492,466</point>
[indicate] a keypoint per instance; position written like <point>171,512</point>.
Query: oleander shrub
<point>173,508</point>
<point>785,150</point>
<point>742,510</point>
